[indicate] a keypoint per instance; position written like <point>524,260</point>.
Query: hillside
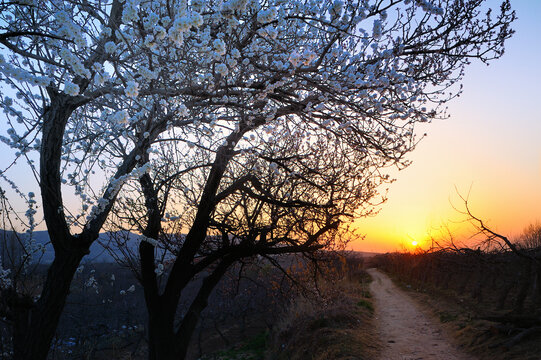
<point>100,251</point>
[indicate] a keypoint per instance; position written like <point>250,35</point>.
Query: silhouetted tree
<point>268,122</point>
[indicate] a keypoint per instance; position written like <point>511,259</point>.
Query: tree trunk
<point>537,294</point>
<point>535,286</point>
<point>164,342</point>
<point>524,287</point>
<point>504,294</point>
<point>36,327</point>
<point>161,342</point>
<point>190,320</point>
<point>477,292</point>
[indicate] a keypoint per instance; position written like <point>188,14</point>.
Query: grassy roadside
<point>339,328</point>
<point>251,349</point>
<point>460,319</point>
<point>336,325</point>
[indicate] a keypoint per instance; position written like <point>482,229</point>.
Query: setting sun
<point>463,155</point>
<point>414,243</point>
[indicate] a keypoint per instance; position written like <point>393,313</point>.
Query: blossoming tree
<point>254,127</point>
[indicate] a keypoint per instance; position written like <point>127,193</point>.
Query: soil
<point>406,333</point>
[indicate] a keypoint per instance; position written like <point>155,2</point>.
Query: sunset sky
<point>489,147</point>
<point>491,144</point>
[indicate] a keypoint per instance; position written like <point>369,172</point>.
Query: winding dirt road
<point>406,333</point>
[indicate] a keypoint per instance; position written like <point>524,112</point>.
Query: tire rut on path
<point>405,332</point>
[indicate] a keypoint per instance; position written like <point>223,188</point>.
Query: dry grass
<point>336,326</point>
<point>460,319</point>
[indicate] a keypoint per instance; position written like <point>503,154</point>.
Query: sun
<point>414,243</point>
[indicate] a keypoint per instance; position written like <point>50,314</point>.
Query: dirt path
<point>405,332</point>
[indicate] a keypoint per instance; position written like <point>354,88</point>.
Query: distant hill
<point>98,251</point>
<point>366,254</point>
<point>359,254</point>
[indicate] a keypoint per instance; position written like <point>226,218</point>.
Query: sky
<point>490,148</point>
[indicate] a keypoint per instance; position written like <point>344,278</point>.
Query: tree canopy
<point>253,127</point>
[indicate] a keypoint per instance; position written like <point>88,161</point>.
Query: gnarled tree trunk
<point>36,326</point>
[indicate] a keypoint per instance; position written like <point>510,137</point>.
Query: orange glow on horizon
<point>489,148</point>
<point>488,151</point>
<point>421,210</point>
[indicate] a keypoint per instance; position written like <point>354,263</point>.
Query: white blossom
<point>132,89</point>
<point>121,117</point>
<point>377,29</point>
<point>294,58</point>
<point>236,5</point>
<point>159,269</point>
<point>267,15</point>
<point>110,47</point>
<point>235,53</point>
<point>151,241</point>
<point>337,8</point>
<point>159,33</point>
<point>5,280</point>
<point>151,20</point>
<point>219,46</point>
<point>308,56</point>
<point>129,14</point>
<point>221,69</point>
<point>75,63</point>
<point>71,88</point>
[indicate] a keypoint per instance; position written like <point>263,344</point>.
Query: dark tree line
<point>504,282</point>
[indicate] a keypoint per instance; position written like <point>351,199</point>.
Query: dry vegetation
<point>260,314</point>
<point>338,326</point>
<point>489,300</point>
<point>330,318</point>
